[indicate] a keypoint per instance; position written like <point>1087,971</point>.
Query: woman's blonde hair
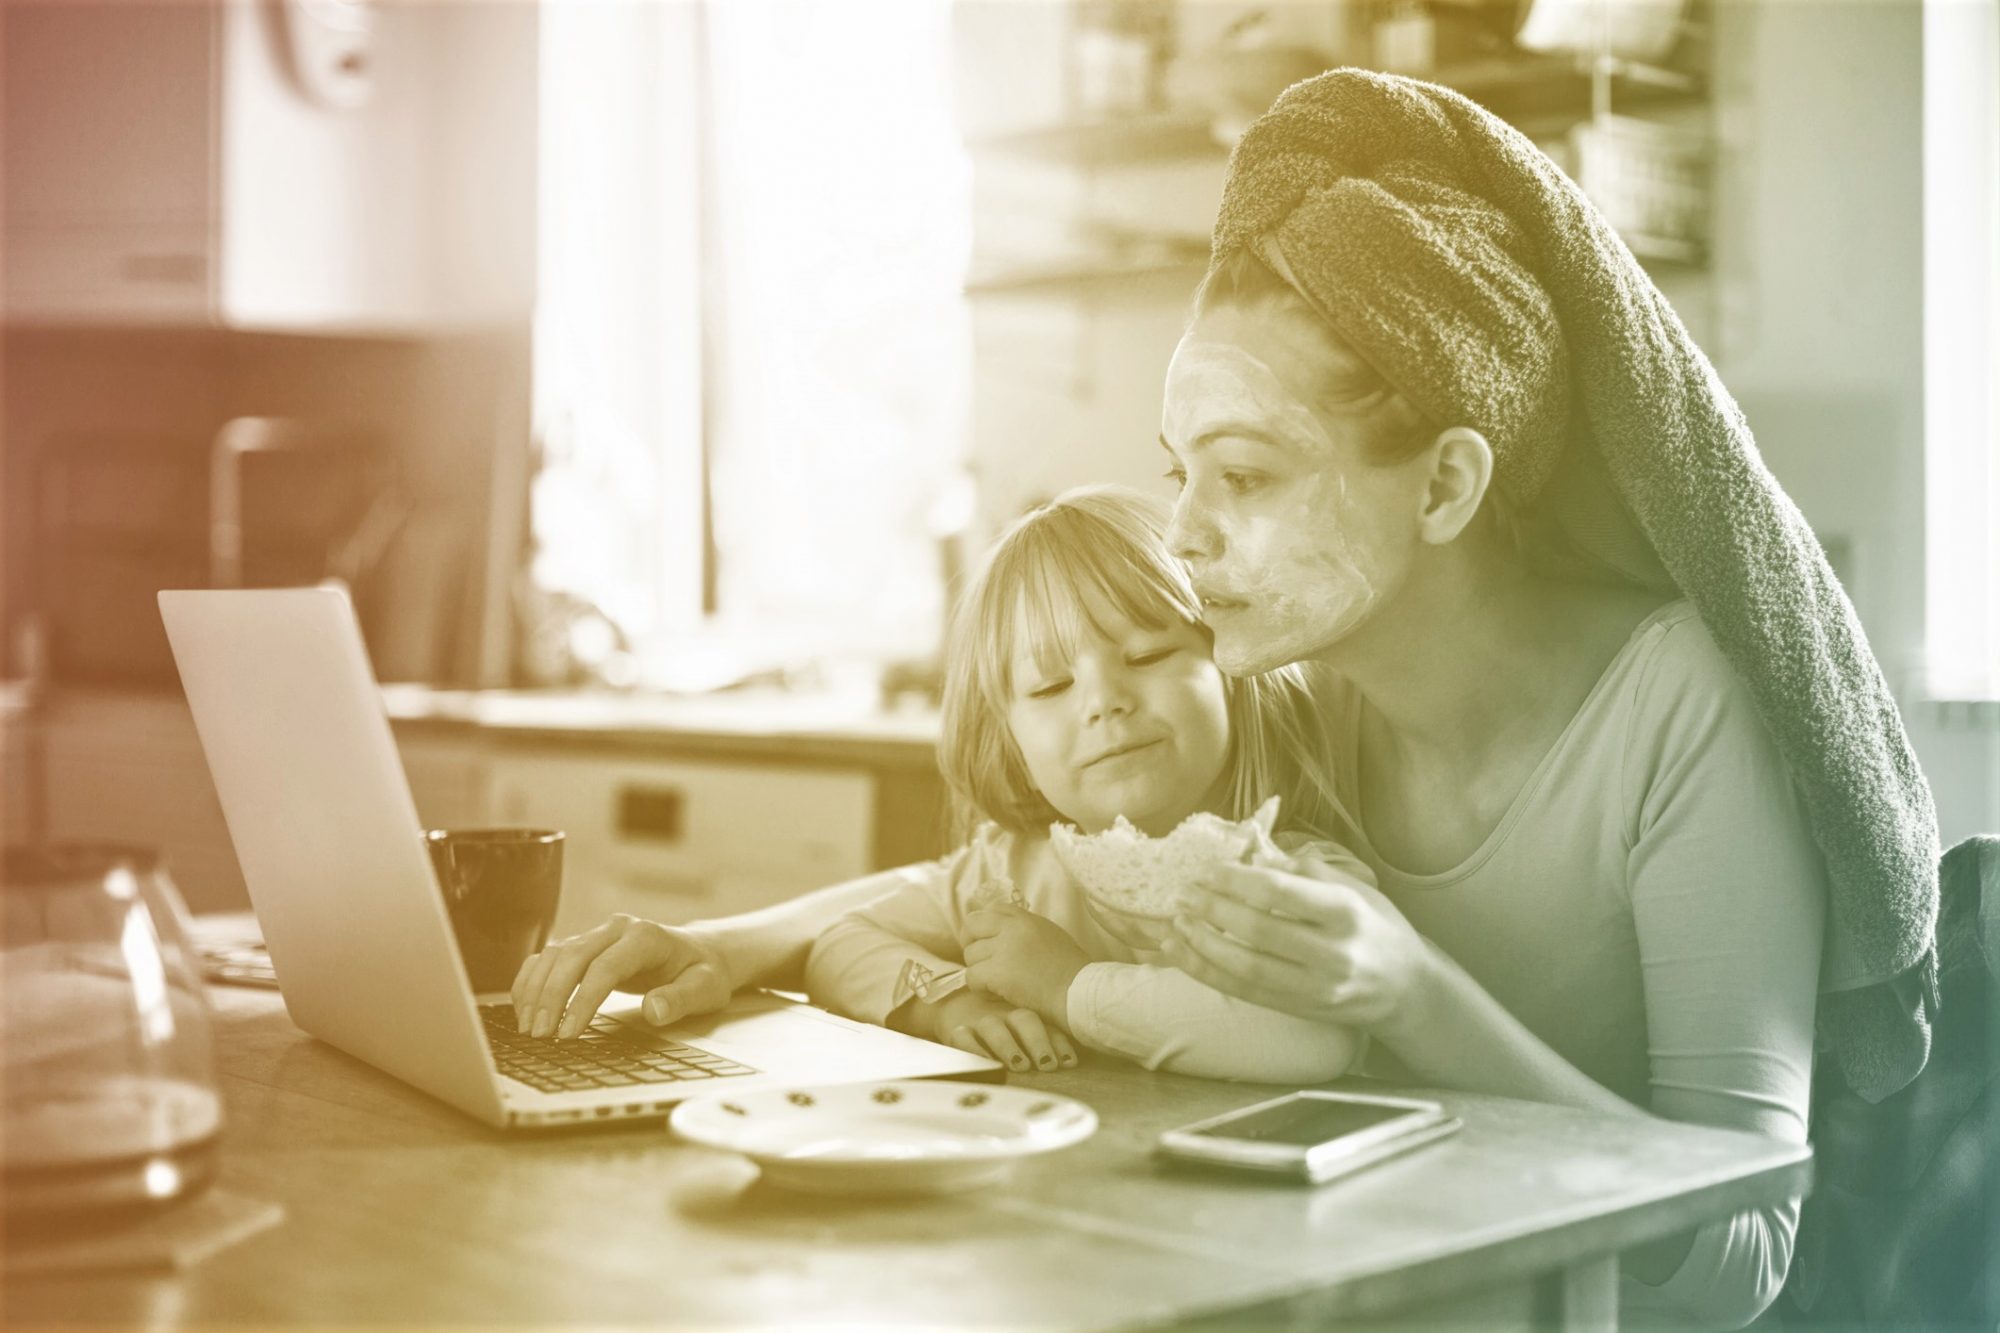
<point>1045,578</point>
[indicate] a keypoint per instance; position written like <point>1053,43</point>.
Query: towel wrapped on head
<point>1475,277</point>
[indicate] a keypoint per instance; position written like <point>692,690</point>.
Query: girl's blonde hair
<point>1045,578</point>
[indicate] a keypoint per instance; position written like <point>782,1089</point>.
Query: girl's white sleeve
<point>854,965</point>
<point>1164,1019</point>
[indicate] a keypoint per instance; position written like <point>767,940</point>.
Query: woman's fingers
<point>557,991</point>
<point>533,979</point>
<point>530,985</point>
<point>1232,957</point>
<point>527,982</point>
<point>1216,960</point>
<point>567,962</point>
<point>697,990</point>
<point>520,986</point>
<point>571,961</point>
<point>1208,974</point>
<point>1259,930</point>
<point>622,958</point>
<point>1282,893</point>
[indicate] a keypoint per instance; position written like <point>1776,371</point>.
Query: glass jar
<point>108,1093</point>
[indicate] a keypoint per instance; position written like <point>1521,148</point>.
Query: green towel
<point>1478,280</point>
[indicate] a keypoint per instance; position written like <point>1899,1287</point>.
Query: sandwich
<point>1132,883</point>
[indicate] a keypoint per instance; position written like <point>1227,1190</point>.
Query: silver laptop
<point>292,722</point>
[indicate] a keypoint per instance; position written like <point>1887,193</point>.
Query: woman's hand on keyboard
<point>558,990</point>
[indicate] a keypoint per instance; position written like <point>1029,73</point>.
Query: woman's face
<point>1292,536</point>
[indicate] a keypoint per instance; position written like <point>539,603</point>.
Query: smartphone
<point>1312,1136</point>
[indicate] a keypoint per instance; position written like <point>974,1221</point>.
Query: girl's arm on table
<point>857,965</point>
<point>1164,1019</point>
<point>856,960</point>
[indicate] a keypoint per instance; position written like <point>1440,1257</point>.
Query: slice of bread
<point>1129,872</point>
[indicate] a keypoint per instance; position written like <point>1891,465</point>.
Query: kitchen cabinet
<point>670,823</point>
<point>127,767</point>
<point>176,163</point>
<point>677,839</point>
<point>108,161</point>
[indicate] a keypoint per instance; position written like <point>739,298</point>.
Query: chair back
<point>1902,1228</point>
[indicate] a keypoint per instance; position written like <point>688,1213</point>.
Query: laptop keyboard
<point>606,1054</point>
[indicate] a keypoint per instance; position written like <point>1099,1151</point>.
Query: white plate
<point>918,1136</point>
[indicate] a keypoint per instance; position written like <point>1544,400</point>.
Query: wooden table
<point>400,1209</point>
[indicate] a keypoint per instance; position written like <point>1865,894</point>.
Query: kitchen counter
<point>773,724</point>
<point>572,757</point>
<point>742,723</point>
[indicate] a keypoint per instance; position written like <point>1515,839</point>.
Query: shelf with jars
<point>1615,90</point>
<point>1175,258</point>
<point>1087,179</point>
<point>1122,138</point>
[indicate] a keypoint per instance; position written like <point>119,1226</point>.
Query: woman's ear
<point>1461,470</point>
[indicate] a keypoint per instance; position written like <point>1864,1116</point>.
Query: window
<point>752,363</point>
<point>1962,348</point>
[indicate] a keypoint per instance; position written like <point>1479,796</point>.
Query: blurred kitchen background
<point>651,371</point>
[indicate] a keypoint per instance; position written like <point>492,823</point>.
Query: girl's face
<point>1129,721</point>
<point>1293,538</point>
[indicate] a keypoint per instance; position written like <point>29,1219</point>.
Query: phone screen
<point>1303,1121</point>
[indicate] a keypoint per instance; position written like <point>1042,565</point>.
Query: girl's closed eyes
<point>1049,687</point>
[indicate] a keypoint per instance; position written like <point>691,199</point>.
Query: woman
<point>1609,735</point>
<point>1437,431</point>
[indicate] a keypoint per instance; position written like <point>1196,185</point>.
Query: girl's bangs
<point>1081,575</point>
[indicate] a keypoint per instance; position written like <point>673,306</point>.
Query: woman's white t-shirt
<point>1652,905</point>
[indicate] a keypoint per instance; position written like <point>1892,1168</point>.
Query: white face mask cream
<point>1278,541</point>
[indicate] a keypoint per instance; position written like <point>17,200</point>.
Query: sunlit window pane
<point>842,231</point>
<point>1961,348</point>
<point>775,186</point>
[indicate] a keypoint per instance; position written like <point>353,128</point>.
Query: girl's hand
<point>1024,957</point>
<point>988,1025</point>
<point>1325,947</point>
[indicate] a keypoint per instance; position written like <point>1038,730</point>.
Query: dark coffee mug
<point>501,886</point>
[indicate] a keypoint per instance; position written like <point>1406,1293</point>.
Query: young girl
<point>1079,687</point>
